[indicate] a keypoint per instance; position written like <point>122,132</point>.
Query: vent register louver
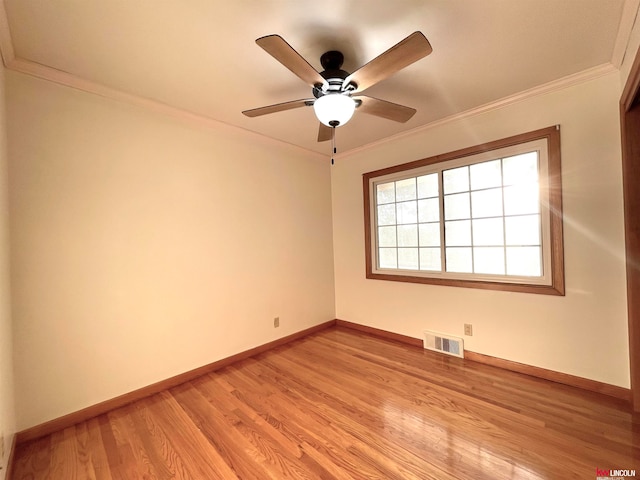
<point>444,344</point>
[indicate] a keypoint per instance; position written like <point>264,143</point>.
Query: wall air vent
<point>444,343</point>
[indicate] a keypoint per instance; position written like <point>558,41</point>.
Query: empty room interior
<point>339,240</point>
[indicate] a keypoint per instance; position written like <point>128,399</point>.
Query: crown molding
<point>78,83</point>
<point>627,21</point>
<point>73,81</point>
<point>6,43</point>
<point>27,67</point>
<point>546,88</point>
<point>11,62</point>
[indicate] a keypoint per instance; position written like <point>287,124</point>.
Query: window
<point>488,217</point>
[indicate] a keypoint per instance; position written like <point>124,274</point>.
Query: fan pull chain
<point>333,143</point>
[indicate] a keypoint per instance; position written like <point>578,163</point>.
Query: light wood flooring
<point>341,404</point>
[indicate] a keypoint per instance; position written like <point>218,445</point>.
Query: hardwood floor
<point>341,404</point>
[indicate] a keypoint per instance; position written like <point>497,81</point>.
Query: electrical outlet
<point>276,322</point>
<point>468,329</point>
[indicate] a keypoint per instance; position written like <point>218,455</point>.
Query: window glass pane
<point>458,260</point>
<point>428,210</point>
<point>486,203</point>
<point>408,235</point>
<point>485,175</point>
<point>457,233</point>
<point>408,258</point>
<point>521,199</point>
<point>488,232</point>
<point>456,180</point>
<point>428,186</point>
<point>387,236</point>
<point>387,214</point>
<point>388,257</point>
<point>480,216</point>
<point>406,189</point>
<point>429,234</point>
<point>430,259</point>
<point>488,260</point>
<point>407,212</point>
<point>456,206</point>
<point>523,230</point>
<point>524,261</point>
<point>385,193</point>
<point>520,168</point>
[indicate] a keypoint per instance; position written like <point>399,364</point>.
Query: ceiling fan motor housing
<point>334,105</point>
<point>331,61</point>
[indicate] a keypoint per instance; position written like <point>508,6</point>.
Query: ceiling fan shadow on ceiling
<point>337,93</point>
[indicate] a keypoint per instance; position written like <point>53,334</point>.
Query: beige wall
<point>583,333</point>
<point>7,415</point>
<point>145,246</point>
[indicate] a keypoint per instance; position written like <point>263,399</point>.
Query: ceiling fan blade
<point>278,107</point>
<point>324,133</point>
<point>401,55</point>
<point>384,109</point>
<point>279,49</point>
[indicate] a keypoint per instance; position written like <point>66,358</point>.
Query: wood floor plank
<point>114,456</point>
<point>137,462</point>
<point>303,418</point>
<point>221,430</point>
<point>84,453</point>
<point>339,409</point>
<point>64,455</point>
<point>341,404</point>
<point>95,447</point>
<point>157,445</point>
<point>188,441</point>
<point>33,459</point>
<point>488,418</point>
<point>210,388</point>
<point>548,446</point>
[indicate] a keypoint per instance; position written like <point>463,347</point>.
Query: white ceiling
<point>200,56</point>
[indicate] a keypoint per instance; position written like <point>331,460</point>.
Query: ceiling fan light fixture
<point>334,109</point>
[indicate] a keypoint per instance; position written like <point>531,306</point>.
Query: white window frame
<point>546,143</point>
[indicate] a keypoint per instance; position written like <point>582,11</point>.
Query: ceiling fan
<point>336,93</point>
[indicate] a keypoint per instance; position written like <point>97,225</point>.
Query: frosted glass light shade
<point>334,108</point>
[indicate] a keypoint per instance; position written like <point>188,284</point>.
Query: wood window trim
<point>557,287</point>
